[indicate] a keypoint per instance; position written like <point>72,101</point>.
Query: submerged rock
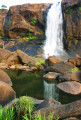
<point>73,88</point>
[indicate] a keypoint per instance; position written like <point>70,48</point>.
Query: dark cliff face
<point>72,27</point>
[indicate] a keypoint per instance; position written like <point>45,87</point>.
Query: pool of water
<point>34,85</point>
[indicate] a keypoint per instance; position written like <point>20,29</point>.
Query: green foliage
<point>30,36</point>
<point>33,21</point>
<point>79,7</point>
<point>69,11</point>
<point>7,114</point>
<point>74,69</point>
<point>1,37</point>
<point>4,6</point>
<point>39,63</point>
<point>22,35</point>
<point>25,106</point>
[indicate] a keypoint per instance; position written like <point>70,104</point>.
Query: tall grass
<point>6,114</point>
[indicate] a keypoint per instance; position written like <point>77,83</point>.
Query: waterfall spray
<point>54,33</point>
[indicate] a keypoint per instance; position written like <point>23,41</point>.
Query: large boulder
<point>61,67</point>
<point>62,111</point>
<point>71,76</point>
<point>5,78</point>
<point>6,93</point>
<point>73,87</point>
<point>52,60</point>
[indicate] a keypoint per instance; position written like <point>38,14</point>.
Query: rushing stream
<point>54,32</point>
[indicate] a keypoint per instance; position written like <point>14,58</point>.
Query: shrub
<point>33,21</point>
<point>39,63</point>
<point>22,35</point>
<point>4,6</point>
<point>75,69</point>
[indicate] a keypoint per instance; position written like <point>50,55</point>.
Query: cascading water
<point>54,32</point>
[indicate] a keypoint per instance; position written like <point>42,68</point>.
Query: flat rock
<point>5,78</point>
<point>52,60</point>
<point>3,66</point>
<point>6,93</point>
<point>71,76</point>
<point>61,67</point>
<point>51,75</point>
<point>73,87</point>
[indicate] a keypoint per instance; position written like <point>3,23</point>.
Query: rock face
<point>5,78</point>
<point>3,24</point>
<point>73,88</point>
<point>22,19</point>
<point>6,93</point>
<point>72,25</point>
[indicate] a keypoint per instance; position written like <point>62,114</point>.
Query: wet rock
<point>75,61</point>
<point>71,76</point>
<point>52,60</point>
<point>51,75</point>
<point>62,111</point>
<point>48,103</point>
<point>73,87</point>
<point>5,78</point>
<point>6,93</point>
<point>61,67</point>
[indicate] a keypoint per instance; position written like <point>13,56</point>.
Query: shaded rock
<point>6,93</point>
<point>48,103</point>
<point>71,118</point>
<point>75,61</point>
<point>68,3</point>
<point>4,54</point>
<point>5,78</point>
<point>52,60</point>
<point>4,28</point>
<point>12,60</point>
<point>3,66</point>
<point>71,76</point>
<point>25,59</point>
<point>73,88</point>
<point>61,67</point>
<point>62,111</point>
<point>51,75</point>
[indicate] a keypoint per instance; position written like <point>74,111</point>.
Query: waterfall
<point>50,91</point>
<point>54,33</point>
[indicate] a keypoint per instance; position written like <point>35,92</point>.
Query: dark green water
<point>34,85</point>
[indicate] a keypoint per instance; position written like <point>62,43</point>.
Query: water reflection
<point>50,91</point>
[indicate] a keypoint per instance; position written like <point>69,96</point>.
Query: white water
<point>54,33</point>
<point>50,91</point>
